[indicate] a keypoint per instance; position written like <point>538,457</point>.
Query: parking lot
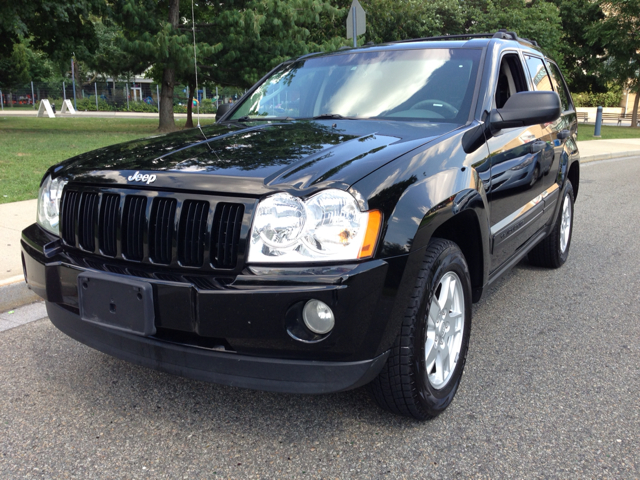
<point>551,388</point>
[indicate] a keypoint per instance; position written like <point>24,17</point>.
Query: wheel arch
<point>464,230</point>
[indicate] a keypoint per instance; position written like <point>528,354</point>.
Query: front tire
<point>553,251</point>
<point>424,368</point>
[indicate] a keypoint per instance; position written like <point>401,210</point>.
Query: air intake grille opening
<point>87,221</point>
<point>161,227</point>
<point>133,223</point>
<point>68,217</point>
<point>193,228</point>
<point>227,224</point>
<point>107,233</point>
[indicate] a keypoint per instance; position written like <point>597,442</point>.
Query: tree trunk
<point>192,87</point>
<point>167,121</point>
<point>634,115</point>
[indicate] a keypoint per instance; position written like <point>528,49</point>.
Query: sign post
<point>73,75</point>
<point>356,22</point>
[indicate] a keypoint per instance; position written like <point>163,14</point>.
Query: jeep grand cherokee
<point>329,231</point>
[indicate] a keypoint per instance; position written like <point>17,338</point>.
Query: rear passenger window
<point>539,74</point>
<point>559,86</point>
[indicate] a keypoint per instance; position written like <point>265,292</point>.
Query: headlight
<point>326,227</point>
<point>49,204</point>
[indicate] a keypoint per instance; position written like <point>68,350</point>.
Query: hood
<point>255,158</point>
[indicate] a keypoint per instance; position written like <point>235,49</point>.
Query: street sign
<point>356,21</point>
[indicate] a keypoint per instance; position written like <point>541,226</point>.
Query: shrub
<point>142,107</point>
<point>588,99</point>
<point>89,105</point>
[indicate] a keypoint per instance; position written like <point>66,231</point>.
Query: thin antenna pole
<point>195,64</point>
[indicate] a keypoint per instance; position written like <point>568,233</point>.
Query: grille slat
<point>177,231</point>
<point>226,239</point>
<point>163,213</point>
<point>69,214</point>
<point>133,221</point>
<point>87,221</point>
<point>107,231</point>
<point>193,227</point>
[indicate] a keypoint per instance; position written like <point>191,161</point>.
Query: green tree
<point>537,20</point>
<point>392,20</point>
<point>23,65</point>
<point>583,66</point>
<point>237,41</point>
<point>55,27</point>
<point>619,33</point>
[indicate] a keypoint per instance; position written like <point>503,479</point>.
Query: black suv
<point>331,230</point>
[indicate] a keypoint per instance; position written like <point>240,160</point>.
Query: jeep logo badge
<point>136,177</point>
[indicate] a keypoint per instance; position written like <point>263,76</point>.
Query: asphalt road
<point>551,388</point>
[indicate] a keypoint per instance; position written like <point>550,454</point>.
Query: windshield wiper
<point>247,118</point>
<point>330,116</point>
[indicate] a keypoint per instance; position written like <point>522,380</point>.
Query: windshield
<point>428,84</point>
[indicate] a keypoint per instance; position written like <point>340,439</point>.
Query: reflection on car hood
<point>256,157</point>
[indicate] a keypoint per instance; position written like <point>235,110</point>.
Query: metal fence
<point>110,96</point>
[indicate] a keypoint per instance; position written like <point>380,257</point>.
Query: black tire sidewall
<point>432,399</point>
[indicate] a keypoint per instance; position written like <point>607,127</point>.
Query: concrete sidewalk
<point>14,217</point>
<point>27,112</point>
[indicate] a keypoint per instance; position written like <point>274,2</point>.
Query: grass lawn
<point>28,146</point>
<point>585,132</point>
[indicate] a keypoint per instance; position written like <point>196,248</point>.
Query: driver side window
<point>511,79</point>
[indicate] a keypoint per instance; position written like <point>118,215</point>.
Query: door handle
<point>564,134</point>
<point>537,146</point>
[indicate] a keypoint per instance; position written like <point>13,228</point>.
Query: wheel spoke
<point>451,293</point>
<point>444,292</point>
<point>434,311</point>
<point>439,373</point>
<point>456,321</point>
<point>445,361</point>
<point>431,354</point>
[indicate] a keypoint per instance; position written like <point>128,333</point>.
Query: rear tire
<point>424,368</point>
<point>553,251</point>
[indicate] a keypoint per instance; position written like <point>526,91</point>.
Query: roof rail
<point>503,34</point>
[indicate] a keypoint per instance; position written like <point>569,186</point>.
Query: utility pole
<point>95,84</point>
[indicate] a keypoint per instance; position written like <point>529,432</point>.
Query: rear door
<point>566,129</point>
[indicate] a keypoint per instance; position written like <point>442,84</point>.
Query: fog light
<point>318,317</point>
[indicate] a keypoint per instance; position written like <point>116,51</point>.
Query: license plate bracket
<point>117,302</point>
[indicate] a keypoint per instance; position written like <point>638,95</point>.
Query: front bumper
<point>293,376</point>
<point>235,332</point>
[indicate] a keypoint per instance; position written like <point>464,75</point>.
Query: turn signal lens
<point>371,235</point>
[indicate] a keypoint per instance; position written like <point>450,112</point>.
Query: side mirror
<point>524,109</point>
<point>222,109</point>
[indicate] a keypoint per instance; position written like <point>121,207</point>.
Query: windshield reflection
<point>423,84</point>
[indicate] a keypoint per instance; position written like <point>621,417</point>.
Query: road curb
<point>609,156</point>
<point>14,293</point>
